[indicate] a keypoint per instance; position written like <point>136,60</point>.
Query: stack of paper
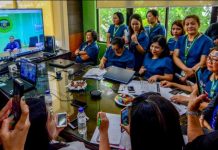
<point>114,131</point>
<point>95,73</point>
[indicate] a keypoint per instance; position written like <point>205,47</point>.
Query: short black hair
<point>161,40</point>
<point>120,16</point>
<point>154,12</point>
<point>118,41</point>
<point>94,34</point>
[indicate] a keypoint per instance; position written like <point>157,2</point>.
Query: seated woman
<point>208,80</point>
<point>117,55</point>
<point>88,51</point>
<point>192,49</point>
<point>176,31</point>
<point>157,63</point>
<point>154,123</point>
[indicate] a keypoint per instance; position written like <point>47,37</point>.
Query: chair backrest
<point>19,43</point>
<point>33,41</point>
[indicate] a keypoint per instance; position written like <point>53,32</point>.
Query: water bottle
<point>48,99</point>
<point>81,118</point>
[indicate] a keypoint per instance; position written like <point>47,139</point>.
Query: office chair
<point>41,38</point>
<point>33,41</point>
<point>19,43</point>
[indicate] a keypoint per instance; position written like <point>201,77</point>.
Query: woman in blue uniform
<point>192,49</point>
<point>157,63</point>
<point>155,28</point>
<point>88,51</point>
<point>139,40</point>
<point>208,80</point>
<point>117,29</point>
<point>176,31</point>
<point>117,55</point>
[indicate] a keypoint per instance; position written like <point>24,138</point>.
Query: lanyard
<point>115,30</point>
<point>189,46</point>
<point>213,88</point>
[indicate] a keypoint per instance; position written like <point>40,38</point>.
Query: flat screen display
<point>21,31</point>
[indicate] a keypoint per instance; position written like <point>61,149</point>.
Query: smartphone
<point>131,89</point>
<point>62,119</point>
<point>78,103</point>
<point>175,91</point>
<point>73,124</point>
<point>18,90</point>
<point>124,117</point>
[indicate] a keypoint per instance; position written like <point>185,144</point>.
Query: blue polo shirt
<point>171,44</point>
<point>158,66</point>
<point>144,42</point>
<point>126,60</point>
<point>116,31</point>
<point>206,84</point>
<point>11,46</point>
<point>91,50</point>
<point>201,47</point>
<point>158,29</point>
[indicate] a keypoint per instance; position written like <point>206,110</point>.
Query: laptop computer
<point>61,63</point>
<point>28,75</point>
<point>119,74</point>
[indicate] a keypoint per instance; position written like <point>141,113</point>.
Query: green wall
<point>90,21</point>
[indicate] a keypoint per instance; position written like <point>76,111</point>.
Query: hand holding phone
<point>62,119</point>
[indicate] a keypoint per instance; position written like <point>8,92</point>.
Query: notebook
<point>61,63</point>
<point>28,75</point>
<point>119,74</point>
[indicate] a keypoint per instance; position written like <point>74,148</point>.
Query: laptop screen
<point>28,71</point>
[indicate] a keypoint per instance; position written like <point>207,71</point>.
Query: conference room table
<point>62,98</point>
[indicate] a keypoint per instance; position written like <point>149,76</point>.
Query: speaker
<point>49,44</point>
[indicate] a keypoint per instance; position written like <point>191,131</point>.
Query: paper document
<point>114,131</point>
<point>95,73</point>
<point>136,88</point>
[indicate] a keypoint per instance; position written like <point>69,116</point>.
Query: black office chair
<point>18,41</point>
<point>33,41</point>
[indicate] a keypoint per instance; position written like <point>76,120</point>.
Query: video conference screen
<point>21,31</point>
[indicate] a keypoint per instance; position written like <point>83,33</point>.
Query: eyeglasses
<point>212,59</point>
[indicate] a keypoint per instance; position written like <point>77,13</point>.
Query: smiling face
<point>135,25</point>
<point>191,26</point>
<point>176,30</point>
<point>156,49</point>
<point>116,19</point>
<point>212,61</point>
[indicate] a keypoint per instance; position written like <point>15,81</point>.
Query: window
<point>175,13</point>
<point>143,12</point>
<point>105,20</point>
<point>204,13</point>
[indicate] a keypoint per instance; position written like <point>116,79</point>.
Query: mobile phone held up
<point>124,117</point>
<point>18,90</point>
<point>78,103</point>
<point>62,119</point>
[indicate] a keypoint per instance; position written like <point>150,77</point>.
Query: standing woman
<point>192,49</point>
<point>176,31</point>
<point>139,40</point>
<point>118,29</point>
<point>155,28</point>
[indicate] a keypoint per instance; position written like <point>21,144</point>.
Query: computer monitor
<point>28,72</point>
<point>21,31</point>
